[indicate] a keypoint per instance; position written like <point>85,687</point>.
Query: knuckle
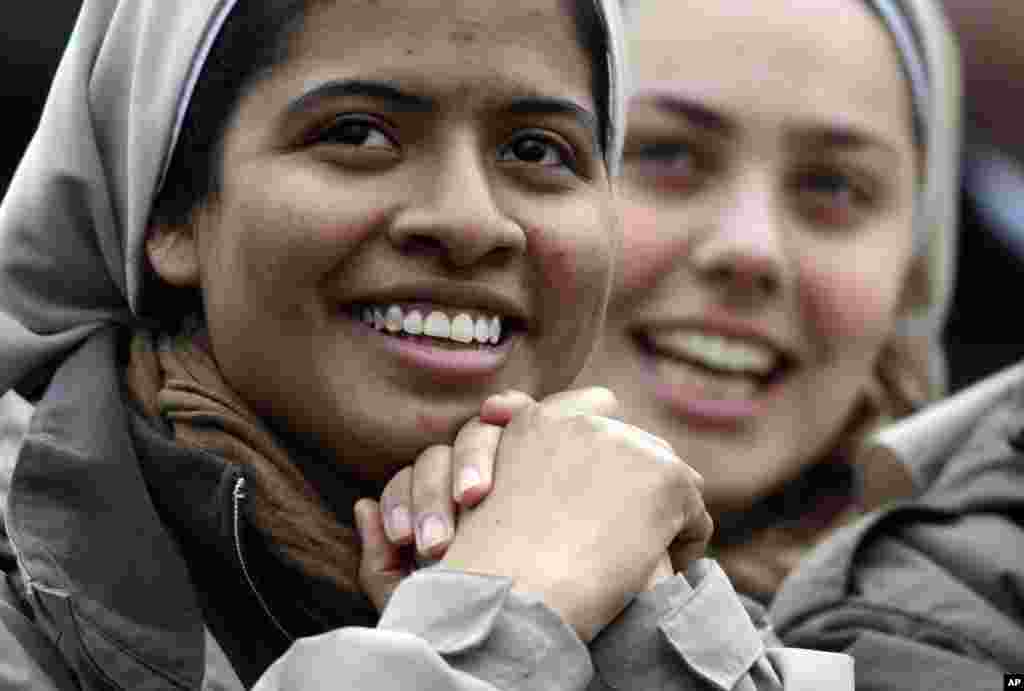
<point>697,479</point>
<point>397,489</point>
<point>430,480</point>
<point>591,425</point>
<point>603,398</point>
<point>545,413</point>
<point>707,526</point>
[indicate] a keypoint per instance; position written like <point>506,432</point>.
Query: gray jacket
<point>98,591</point>
<point>929,593</point>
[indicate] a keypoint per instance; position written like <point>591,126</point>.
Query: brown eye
<point>538,149</point>
<point>532,150</point>
<point>832,197</point>
<point>355,132</point>
<point>677,166</point>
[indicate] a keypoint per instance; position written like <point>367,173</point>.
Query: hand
<point>582,511</point>
<point>415,519</point>
<point>427,491</point>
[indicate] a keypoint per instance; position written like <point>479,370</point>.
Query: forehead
<point>815,61</point>
<point>449,44</point>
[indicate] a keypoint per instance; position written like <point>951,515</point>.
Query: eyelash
<point>673,164</point>
<point>324,135</point>
<point>683,167</point>
<point>333,134</point>
<point>566,155</point>
<point>846,195</point>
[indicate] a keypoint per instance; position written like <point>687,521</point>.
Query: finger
<point>501,408</point>
<point>381,567</point>
<point>645,440</point>
<point>592,400</point>
<point>432,505</point>
<point>396,506</point>
<point>662,571</point>
<point>692,542</point>
<point>473,453</point>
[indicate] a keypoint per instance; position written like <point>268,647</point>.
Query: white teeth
<point>706,385</point>
<point>482,331</point>
<point>717,352</point>
<point>438,325</point>
<point>462,329</point>
<point>393,319</point>
<point>413,323</point>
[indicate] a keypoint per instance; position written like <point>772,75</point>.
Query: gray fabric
<point>932,64</point>
<point>653,644</point>
<point>693,632</point>
<point>73,221</point>
<point>929,593</point>
<point>895,19</point>
<point>485,629</point>
<point>28,660</point>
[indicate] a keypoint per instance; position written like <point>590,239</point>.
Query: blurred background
<point>984,332</point>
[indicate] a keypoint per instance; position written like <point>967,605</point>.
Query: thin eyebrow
<point>839,138</point>
<point>381,91</point>
<point>677,104</point>
<point>556,106</point>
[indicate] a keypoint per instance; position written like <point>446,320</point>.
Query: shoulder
<point>937,577</point>
<point>28,659</point>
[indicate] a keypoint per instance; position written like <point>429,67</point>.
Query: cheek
<point>573,253</point>
<point>285,242</point>
<point>847,304</point>
<point>573,264</point>
<point>648,250</point>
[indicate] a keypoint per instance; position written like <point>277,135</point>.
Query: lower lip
<point>479,361</point>
<point>687,402</point>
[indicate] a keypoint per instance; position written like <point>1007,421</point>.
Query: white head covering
<point>931,61</point>
<point>73,222</point>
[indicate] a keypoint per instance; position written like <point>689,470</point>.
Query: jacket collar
<point>105,510</point>
<point>925,442</point>
<point>89,541</point>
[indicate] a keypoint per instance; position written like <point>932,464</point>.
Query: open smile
<point>711,377</point>
<point>445,340</point>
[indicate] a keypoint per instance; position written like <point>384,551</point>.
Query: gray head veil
<point>931,62</point>
<point>73,222</point>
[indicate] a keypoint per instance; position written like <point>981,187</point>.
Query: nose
<point>457,217</point>
<point>743,251</point>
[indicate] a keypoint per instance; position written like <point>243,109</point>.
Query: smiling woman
<point>788,196</point>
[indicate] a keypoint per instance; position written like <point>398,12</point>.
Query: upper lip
<point>468,296</point>
<point>730,328</point>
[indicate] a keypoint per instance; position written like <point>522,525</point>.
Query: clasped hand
<point>582,509</point>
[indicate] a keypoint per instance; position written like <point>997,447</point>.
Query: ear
<point>173,252</point>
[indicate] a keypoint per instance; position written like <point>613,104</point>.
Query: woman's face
<point>769,188</point>
<point>413,168</point>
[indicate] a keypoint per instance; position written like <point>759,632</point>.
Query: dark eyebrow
<point>839,138</point>
<point>555,106</point>
<point>677,104</point>
<point>380,91</point>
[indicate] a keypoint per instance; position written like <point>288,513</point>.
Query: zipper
<point>239,495</point>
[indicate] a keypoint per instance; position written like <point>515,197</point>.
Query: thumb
<point>499,409</point>
<point>382,566</point>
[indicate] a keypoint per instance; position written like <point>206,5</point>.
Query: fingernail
<point>468,479</point>
<point>399,523</point>
<point>433,531</point>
